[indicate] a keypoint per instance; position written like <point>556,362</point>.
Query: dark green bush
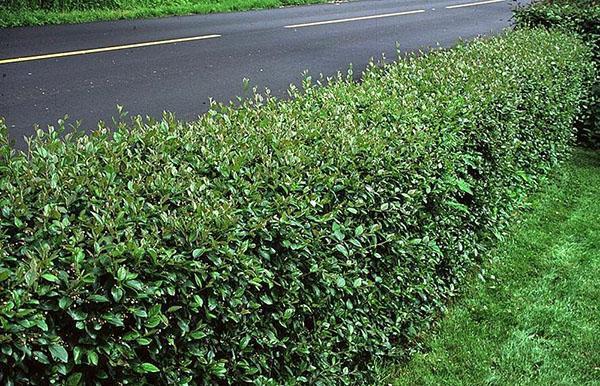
<point>582,17</point>
<point>281,242</point>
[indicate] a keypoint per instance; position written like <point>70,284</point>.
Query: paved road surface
<point>177,63</point>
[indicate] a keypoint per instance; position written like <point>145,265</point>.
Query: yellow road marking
<point>105,49</point>
<point>354,19</point>
<point>473,4</point>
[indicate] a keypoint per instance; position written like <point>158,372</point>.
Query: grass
<point>535,320</point>
<point>135,9</point>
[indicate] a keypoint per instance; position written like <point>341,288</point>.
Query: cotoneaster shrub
<point>583,18</point>
<point>282,242</point>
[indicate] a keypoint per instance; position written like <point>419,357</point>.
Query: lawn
<point>78,11</point>
<point>535,318</point>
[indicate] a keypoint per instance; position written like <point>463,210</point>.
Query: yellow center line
<point>473,4</point>
<point>354,19</point>
<point>105,49</point>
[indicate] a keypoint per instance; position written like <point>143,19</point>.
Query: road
<point>178,63</point>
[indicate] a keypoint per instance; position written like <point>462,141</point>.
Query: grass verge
<point>136,10</point>
<point>534,320</point>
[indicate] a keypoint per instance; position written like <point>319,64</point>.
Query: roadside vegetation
<point>573,16</point>
<point>283,241</point>
<point>16,13</point>
<point>531,318</point>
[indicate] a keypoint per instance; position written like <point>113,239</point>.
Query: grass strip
<point>18,17</point>
<point>533,320</point>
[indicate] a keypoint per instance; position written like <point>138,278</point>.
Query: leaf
<point>92,358</point>
<point>98,298</point>
<point>65,302</point>
<point>117,293</point>
<point>144,341</point>
<point>464,186</point>
<point>50,277</point>
<point>219,369</point>
<point>337,231</point>
<point>266,299</point>
<point>148,368</point>
<point>41,357</point>
<point>115,320</point>
<point>342,249</point>
<point>359,230</point>
<point>153,321</point>
<point>59,353</point>
<point>135,284</point>
<point>4,274</point>
<point>341,282</point>
<point>42,325</point>
<point>244,342</point>
<point>74,379</point>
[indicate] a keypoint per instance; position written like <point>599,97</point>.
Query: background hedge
<point>583,18</point>
<point>282,242</point>
<point>83,5</point>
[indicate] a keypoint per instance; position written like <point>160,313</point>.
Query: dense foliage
<point>281,242</point>
<point>74,5</point>
<point>582,17</point>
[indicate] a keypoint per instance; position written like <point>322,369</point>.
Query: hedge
<point>583,18</point>
<point>283,241</point>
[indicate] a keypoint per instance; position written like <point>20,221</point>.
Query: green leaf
<point>41,357</point>
<point>337,231</point>
<point>464,186</point>
<point>59,353</point>
<point>153,321</point>
<point>50,277</point>
<point>359,230</point>
<point>244,342</point>
<point>341,282</point>
<point>148,368</point>
<point>64,303</point>
<point>266,299</point>
<point>92,358</point>
<point>98,298</point>
<point>342,249</point>
<point>4,274</point>
<point>117,293</point>
<point>115,320</point>
<point>74,379</point>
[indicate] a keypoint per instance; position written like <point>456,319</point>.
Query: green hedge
<point>282,242</point>
<point>61,5</point>
<point>582,17</point>
<point>86,5</point>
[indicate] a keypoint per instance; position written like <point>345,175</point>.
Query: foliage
<point>533,319</point>
<point>16,13</point>
<point>281,242</point>
<point>582,17</point>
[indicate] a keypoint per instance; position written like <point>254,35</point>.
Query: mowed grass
<point>136,9</point>
<point>535,320</point>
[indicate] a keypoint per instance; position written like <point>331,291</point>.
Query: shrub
<point>280,242</point>
<point>61,5</point>
<point>582,17</point>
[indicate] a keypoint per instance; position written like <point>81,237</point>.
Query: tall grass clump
<point>281,242</point>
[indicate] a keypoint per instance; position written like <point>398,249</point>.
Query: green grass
<point>135,9</point>
<point>535,320</point>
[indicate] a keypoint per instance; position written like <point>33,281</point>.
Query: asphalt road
<point>272,48</point>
